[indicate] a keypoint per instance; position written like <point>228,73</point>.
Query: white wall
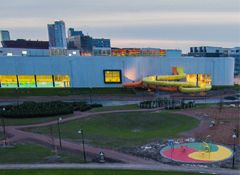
<point>88,71</point>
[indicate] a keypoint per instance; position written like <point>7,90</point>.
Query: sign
<point>171,143</point>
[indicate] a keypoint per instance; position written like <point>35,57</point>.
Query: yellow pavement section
<point>221,154</point>
<point>158,80</point>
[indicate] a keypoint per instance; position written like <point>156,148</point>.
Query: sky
<point>165,24</point>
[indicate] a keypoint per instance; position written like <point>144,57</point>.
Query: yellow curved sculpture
<point>183,86</point>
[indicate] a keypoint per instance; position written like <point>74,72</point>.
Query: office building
<point>101,42</point>
<point>57,34</point>
<point>71,32</point>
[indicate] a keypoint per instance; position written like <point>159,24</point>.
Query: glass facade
<point>34,81</point>
<point>62,80</point>
<point>202,78</point>
<point>112,76</point>
<point>44,80</point>
<point>26,81</point>
<point>8,81</point>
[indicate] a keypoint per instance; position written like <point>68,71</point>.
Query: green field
<point>29,153</point>
<point>27,92</point>
<point>91,172</point>
<point>112,108</point>
<point>28,121</point>
<point>124,129</point>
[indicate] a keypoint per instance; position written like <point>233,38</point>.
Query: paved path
<point>158,167</point>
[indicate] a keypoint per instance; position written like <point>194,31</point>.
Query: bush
<point>33,109</point>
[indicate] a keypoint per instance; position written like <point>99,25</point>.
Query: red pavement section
<point>181,155</point>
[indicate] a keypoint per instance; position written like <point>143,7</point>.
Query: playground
<point>196,152</point>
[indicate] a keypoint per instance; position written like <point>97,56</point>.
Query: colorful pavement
<point>197,152</point>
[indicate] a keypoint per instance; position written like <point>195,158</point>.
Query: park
<point>153,130</point>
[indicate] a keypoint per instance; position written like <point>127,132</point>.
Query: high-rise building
<point>51,35</point>
<point>57,34</point>
<point>5,36</point>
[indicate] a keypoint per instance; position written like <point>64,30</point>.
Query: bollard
<point>196,135</point>
<point>209,128</point>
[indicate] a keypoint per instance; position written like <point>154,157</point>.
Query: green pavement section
<point>29,153</point>
<point>91,172</point>
<point>28,121</point>
<point>27,92</point>
<point>123,129</point>
<point>213,147</point>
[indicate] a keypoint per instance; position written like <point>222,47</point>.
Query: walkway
<point>158,167</point>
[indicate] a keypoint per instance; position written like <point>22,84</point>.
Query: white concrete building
<point>107,71</point>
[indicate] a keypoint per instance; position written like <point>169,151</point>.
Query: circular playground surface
<point>197,152</point>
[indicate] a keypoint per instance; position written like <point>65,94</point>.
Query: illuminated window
<point>26,81</point>
<point>8,81</point>
<point>9,54</point>
<point>112,76</point>
<point>44,81</point>
<point>202,78</point>
<point>24,52</point>
<point>62,80</point>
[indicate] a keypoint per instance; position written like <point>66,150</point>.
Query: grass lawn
<point>124,129</point>
<point>29,153</point>
<point>26,121</point>
<point>25,92</point>
<point>91,172</point>
<point>112,108</point>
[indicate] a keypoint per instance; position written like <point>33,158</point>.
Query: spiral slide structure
<point>170,80</point>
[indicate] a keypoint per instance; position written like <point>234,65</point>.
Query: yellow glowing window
<point>8,81</point>
<point>112,76</point>
<point>202,78</point>
<point>44,81</point>
<point>62,80</point>
<point>26,81</point>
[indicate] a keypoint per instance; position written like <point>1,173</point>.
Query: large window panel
<point>112,76</point>
<point>8,81</point>
<point>202,78</point>
<point>44,80</point>
<point>26,81</point>
<point>62,80</point>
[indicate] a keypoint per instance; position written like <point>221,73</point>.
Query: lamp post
<point>3,125</point>
<point>84,155</point>
<point>17,95</point>
<point>91,95</point>
<point>234,137</point>
<point>59,134</point>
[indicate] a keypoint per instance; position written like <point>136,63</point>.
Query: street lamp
<point>17,95</point>
<point>91,95</point>
<point>234,137</point>
<point>84,155</point>
<point>59,134</point>
<point>3,125</point>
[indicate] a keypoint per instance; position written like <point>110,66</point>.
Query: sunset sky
<point>166,24</point>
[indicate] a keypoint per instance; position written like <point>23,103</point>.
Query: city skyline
<point>156,23</point>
